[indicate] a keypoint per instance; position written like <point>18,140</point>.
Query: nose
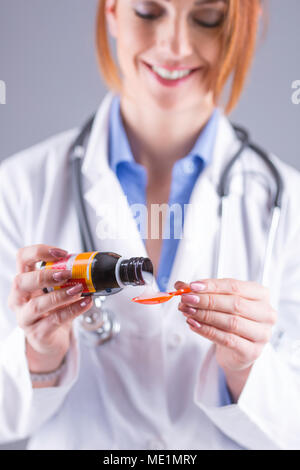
<point>174,39</point>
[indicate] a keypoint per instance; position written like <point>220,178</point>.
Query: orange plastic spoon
<point>163,297</point>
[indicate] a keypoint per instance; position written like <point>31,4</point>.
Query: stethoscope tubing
<point>77,152</point>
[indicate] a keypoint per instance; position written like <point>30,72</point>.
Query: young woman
<point>199,372</point>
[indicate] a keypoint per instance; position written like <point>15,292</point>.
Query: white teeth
<point>167,74</point>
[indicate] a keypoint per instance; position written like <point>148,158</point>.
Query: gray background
<point>48,61</point>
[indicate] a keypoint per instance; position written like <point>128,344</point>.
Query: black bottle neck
<point>131,270</point>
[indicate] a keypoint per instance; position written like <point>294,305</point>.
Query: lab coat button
<point>174,340</point>
<point>156,444</point>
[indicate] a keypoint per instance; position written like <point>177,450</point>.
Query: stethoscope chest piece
<point>99,324</point>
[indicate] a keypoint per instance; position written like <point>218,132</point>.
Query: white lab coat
<point>156,386</point>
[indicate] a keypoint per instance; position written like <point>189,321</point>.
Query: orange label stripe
<point>82,269</point>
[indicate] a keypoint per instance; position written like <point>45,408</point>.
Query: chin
<point>174,102</point>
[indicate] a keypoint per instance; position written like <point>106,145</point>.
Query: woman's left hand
<point>236,316</point>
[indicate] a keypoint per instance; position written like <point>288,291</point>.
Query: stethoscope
<point>100,324</point>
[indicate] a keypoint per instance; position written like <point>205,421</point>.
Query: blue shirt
<point>133,179</point>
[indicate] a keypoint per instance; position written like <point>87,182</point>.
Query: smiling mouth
<point>171,75</point>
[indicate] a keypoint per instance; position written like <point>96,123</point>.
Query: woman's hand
<point>236,316</point>
<point>45,318</point>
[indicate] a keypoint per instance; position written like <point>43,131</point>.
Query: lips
<point>169,82</point>
<point>168,67</point>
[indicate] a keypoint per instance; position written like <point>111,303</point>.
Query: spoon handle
<point>180,291</point>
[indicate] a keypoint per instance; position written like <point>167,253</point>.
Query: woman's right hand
<point>45,318</point>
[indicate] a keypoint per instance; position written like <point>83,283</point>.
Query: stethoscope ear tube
<point>274,171</point>
<point>86,237</point>
<point>224,186</point>
<point>224,189</point>
<point>244,137</point>
<point>77,153</point>
<point>270,244</point>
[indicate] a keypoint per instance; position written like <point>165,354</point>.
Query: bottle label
<point>81,267</point>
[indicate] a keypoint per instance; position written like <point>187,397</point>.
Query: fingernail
<point>86,302</point>
<point>190,311</point>
<point>185,310</point>
<point>62,275</point>
<point>193,323</point>
<point>57,253</point>
<point>75,290</point>
<point>190,299</point>
<point>198,286</point>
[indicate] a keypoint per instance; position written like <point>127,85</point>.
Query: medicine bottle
<point>101,273</point>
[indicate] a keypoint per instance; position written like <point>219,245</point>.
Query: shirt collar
<point>119,147</point>
<point>203,147</point>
